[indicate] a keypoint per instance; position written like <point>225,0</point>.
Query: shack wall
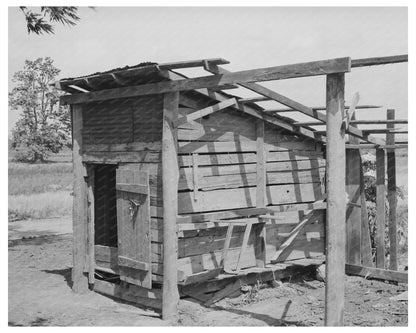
<point>217,158</point>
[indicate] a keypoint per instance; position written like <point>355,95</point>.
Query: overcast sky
<point>248,37</point>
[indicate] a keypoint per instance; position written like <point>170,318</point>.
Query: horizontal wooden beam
<point>73,86</point>
<point>356,122</point>
<point>206,111</point>
<point>373,131</point>
<point>192,63</point>
<point>383,131</point>
<point>324,67</point>
<point>379,61</point>
<point>376,273</point>
<point>254,99</point>
<point>322,108</point>
<point>369,146</point>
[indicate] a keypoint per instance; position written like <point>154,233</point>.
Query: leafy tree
<point>44,125</point>
<point>38,22</point>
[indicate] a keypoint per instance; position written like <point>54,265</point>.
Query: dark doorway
<point>105,205</point>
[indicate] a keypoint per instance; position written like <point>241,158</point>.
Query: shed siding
<point>225,177</point>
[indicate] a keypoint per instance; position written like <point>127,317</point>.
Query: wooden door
<point>133,224</point>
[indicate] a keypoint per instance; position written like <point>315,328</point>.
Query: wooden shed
<point>179,183</point>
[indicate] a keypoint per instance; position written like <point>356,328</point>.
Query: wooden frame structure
<point>129,84</point>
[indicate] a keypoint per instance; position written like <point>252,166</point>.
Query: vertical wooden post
<point>392,193</point>
<point>336,202</point>
<point>380,207</point>
<point>353,215</point>
<point>260,229</point>
<point>91,224</point>
<point>80,209</point>
<point>170,178</point>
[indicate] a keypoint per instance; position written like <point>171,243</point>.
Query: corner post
<point>80,206</point>
<point>336,201</point>
<point>170,178</point>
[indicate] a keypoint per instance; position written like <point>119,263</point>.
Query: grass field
<point>40,190</point>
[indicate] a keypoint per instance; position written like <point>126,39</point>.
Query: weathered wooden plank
<point>336,209</point>
<point>105,157</point>
<point>246,236</point>
<point>238,169</point>
<point>205,112</point>
<point>370,146</point>
<point>192,63</point>
<point>134,188</point>
<point>246,197</point>
<point>242,158</point>
<point>380,207</point>
<point>129,293</point>
<point>209,183</point>
<point>288,243</point>
<point>314,68</point>
<point>80,208</point>
<point>170,175</point>
<point>357,122</point>
<point>240,146</point>
<point>221,128</point>
<point>260,234</point>
<point>392,194</point>
<point>131,146</point>
<point>197,218</point>
<point>131,263</point>
<point>376,273</point>
<point>379,61</point>
<point>202,276</point>
<point>228,290</point>
<point>227,242</point>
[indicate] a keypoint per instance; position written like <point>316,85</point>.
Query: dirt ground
<point>40,295</point>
